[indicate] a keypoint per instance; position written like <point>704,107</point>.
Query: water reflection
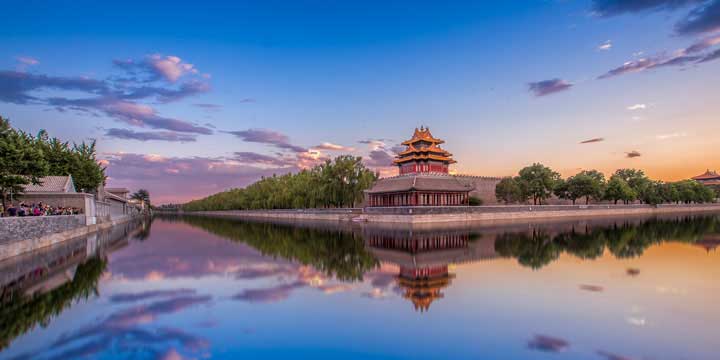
<point>195,287</point>
<point>37,287</point>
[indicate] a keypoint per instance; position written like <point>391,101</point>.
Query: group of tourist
<point>38,209</point>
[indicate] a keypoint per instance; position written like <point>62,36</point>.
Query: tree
<point>21,162</point>
<point>84,168</point>
<point>538,181</point>
<point>337,183</point>
<point>636,179</point>
<point>618,189</point>
<point>596,188</point>
<point>508,191</point>
<point>142,195</point>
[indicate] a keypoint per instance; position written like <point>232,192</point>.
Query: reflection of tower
<point>423,259</point>
<point>422,285</point>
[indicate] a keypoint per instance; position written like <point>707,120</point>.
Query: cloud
<point>148,136</point>
<point>632,154</point>
<point>182,178</point>
<point>27,60</point>
<point>379,158</point>
<point>670,136</point>
<point>608,8</point>
<point>206,106</point>
<point>637,107</point>
<point>262,159</point>
<point>703,44</point>
<point>114,97</point>
<point>333,147</point>
<point>593,140</point>
<point>15,86</point>
<point>591,288</point>
<point>547,87</point>
<point>150,294</point>
<point>166,95</point>
<point>547,343</point>
<point>702,19</point>
<point>155,67</point>
<point>131,113</point>
<point>710,57</point>
<point>265,136</point>
<point>607,45</point>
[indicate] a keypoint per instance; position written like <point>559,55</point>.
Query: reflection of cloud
<point>637,107</point>
<point>154,276</point>
<point>636,321</point>
<point>133,297</point>
<point>611,356</point>
<point>632,271</point>
<point>375,293</point>
<point>547,343</point>
<point>266,295</point>
<point>120,331</point>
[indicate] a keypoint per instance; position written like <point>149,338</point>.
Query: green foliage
<point>25,159</point>
<point>21,313</point>
<point>539,247</point>
<point>475,201</point>
<point>334,252</point>
<point>508,191</point>
<point>141,195</point>
<point>537,182</point>
<point>21,161</point>
<point>619,190</point>
<point>588,184</point>
<point>338,183</point>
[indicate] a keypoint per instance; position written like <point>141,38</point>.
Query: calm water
<point>177,288</point>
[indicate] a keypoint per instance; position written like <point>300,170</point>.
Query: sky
<point>187,100</point>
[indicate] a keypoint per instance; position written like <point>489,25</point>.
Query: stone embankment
<point>19,235</point>
<point>419,214</point>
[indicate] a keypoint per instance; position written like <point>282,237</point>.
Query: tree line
<point>25,159</point>
<point>335,183</point>
<point>538,183</point>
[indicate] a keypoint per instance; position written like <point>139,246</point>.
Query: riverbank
<point>19,235</point>
<point>430,215</point>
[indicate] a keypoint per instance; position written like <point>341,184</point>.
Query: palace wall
<point>484,187</point>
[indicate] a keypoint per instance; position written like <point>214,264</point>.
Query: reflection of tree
<point>624,240</point>
<point>144,229</point>
<point>22,313</point>
<point>334,252</point>
<point>535,249</point>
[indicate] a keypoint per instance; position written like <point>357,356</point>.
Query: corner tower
<point>423,154</point>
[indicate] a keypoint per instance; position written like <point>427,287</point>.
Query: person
<point>12,210</point>
<point>22,211</point>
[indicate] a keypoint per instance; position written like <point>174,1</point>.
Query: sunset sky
<point>189,100</point>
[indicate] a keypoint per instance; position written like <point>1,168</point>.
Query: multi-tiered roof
<point>709,178</point>
<point>423,147</point>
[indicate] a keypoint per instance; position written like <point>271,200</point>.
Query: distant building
<point>709,178</point>
<point>424,178</point>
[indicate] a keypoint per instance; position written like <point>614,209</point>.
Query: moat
<point>198,287</point>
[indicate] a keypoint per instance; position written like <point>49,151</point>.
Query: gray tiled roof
<point>52,184</point>
<point>420,182</point>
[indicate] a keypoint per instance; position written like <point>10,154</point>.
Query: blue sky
<point>270,87</point>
